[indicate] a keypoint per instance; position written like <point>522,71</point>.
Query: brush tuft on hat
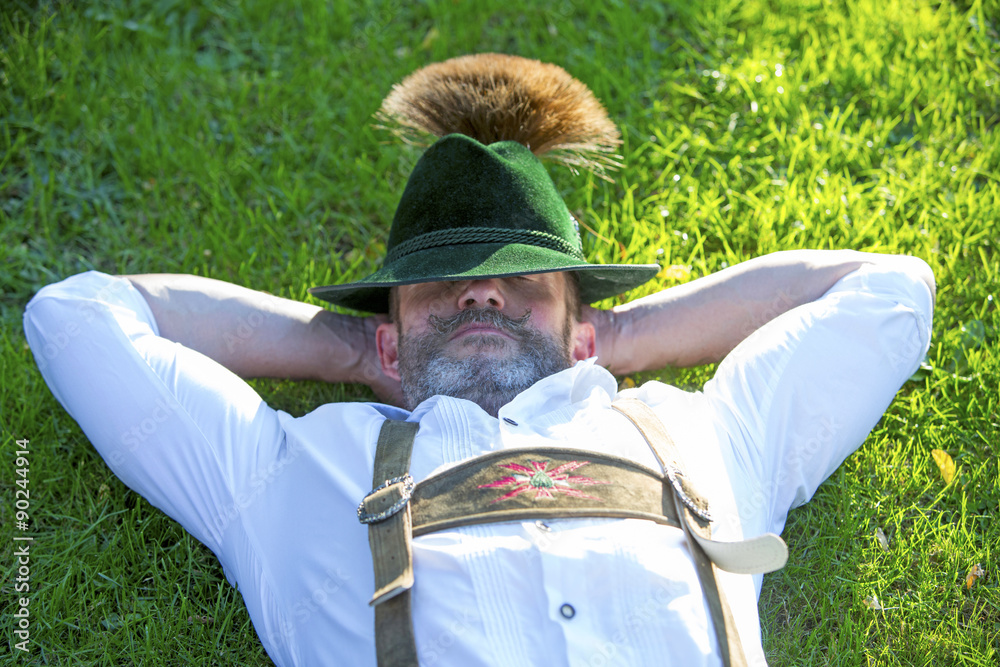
<point>493,97</point>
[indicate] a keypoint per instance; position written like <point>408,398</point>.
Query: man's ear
<point>387,346</point>
<point>583,341</point>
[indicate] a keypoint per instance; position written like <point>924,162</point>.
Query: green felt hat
<point>471,210</point>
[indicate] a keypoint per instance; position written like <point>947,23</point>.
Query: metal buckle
<point>675,476</point>
<point>365,517</point>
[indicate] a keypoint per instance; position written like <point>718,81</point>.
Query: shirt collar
<point>551,396</point>
<point>585,381</point>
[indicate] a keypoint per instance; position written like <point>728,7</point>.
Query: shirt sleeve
<point>172,424</point>
<point>803,392</point>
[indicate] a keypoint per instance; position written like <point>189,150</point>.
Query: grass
<point>233,140</point>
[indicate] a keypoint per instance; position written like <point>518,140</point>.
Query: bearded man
<point>517,509</point>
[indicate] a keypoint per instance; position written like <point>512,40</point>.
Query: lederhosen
<point>397,510</point>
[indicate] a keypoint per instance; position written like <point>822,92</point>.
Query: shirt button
<point>567,611</point>
<point>510,421</point>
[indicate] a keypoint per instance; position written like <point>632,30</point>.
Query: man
<point>484,342</point>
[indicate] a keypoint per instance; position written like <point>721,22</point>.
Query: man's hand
<point>702,321</point>
<point>255,334</point>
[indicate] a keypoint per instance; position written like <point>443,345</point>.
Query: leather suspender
<point>612,487</point>
<point>695,522</point>
<point>389,537</point>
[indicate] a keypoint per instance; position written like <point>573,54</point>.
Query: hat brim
<point>483,260</point>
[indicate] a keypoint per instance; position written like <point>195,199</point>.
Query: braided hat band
<point>463,235</point>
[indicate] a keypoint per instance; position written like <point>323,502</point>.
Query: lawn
<point>235,140</point>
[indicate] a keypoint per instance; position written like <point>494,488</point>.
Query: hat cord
<point>465,235</point>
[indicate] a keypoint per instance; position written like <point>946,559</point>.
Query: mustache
<point>489,316</point>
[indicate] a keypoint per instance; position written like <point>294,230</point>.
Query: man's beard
<point>425,370</point>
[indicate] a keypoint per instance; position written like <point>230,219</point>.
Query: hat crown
<point>462,191</point>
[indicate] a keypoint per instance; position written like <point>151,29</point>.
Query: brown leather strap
<point>728,637</point>
<point>392,454</point>
<point>666,451</point>
<point>693,508</point>
<point>392,554</point>
<point>394,643</point>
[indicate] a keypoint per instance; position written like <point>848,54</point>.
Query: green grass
<point>233,140</point>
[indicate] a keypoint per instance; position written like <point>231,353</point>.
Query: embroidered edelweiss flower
<point>542,481</point>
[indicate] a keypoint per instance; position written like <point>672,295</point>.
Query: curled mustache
<point>489,316</point>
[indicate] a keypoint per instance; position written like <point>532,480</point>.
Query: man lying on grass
<point>554,519</point>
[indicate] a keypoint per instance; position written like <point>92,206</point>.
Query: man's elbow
<point>914,267</point>
<point>927,275</point>
<point>923,271</point>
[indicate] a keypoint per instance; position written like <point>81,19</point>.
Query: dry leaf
<point>883,541</point>
<point>429,38</point>
<point>628,383</point>
<point>872,603</point>
<point>976,572</point>
<point>945,463</point>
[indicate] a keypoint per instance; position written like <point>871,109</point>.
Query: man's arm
<point>702,321</point>
<point>255,334</point>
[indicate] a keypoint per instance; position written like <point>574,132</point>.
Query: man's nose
<point>483,293</point>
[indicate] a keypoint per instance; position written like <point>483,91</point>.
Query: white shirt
<point>274,496</point>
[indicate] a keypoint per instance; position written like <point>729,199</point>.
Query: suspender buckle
<point>401,486</point>
<point>681,487</point>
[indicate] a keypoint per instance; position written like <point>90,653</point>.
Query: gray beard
<point>490,382</point>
